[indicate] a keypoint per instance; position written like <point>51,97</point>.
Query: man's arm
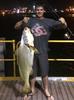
<point>20,23</point>
<point>60,24</point>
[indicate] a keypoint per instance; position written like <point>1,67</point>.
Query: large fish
<point>25,55</point>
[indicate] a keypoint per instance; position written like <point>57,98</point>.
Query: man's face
<point>40,11</point>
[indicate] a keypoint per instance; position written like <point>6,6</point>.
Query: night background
<point>17,3</point>
<point>56,9</point>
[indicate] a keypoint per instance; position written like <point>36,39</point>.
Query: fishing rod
<point>68,33</point>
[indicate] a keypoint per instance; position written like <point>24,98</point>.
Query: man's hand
<point>26,19</point>
<point>63,21</point>
<point>18,24</point>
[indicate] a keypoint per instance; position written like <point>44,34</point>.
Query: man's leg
<point>43,61</point>
<point>44,66</point>
<point>33,77</point>
<point>45,84</point>
<point>46,88</point>
<point>33,80</point>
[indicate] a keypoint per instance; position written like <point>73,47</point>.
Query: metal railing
<point>60,41</point>
<point>14,77</point>
<point>13,59</point>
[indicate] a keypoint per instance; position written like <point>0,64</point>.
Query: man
<point>41,28</point>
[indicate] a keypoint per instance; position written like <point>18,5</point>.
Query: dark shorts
<point>40,64</point>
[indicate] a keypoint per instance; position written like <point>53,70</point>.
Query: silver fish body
<point>25,56</point>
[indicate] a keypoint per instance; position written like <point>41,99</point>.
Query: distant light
<point>18,11</point>
<point>73,9</point>
<point>56,10</point>
<point>33,7</point>
<point>62,11</point>
<point>72,15</point>
<point>3,13</point>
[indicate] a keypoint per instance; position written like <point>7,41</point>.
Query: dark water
<point>56,50</point>
<point>7,26</point>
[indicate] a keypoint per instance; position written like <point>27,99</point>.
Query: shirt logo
<point>39,30</point>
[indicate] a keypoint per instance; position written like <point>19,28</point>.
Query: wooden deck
<point>59,89</point>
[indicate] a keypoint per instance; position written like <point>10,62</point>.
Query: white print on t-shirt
<point>38,30</point>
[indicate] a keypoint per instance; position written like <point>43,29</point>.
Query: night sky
<point>17,3</point>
